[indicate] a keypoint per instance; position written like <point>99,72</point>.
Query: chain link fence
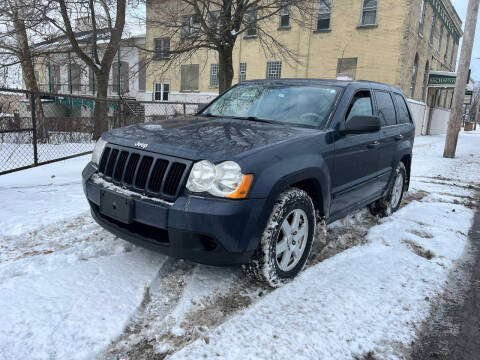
<point>38,128</point>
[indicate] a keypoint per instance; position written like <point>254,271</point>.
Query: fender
<point>272,181</point>
<point>403,148</point>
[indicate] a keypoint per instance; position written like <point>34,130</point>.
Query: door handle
<point>399,137</point>
<point>373,144</point>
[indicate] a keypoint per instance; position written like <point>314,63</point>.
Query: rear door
<point>389,135</point>
<point>356,159</point>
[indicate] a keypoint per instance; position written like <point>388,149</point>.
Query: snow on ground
<point>41,196</point>
<point>70,290</point>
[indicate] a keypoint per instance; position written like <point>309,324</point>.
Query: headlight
<point>224,180</point>
<point>98,150</point>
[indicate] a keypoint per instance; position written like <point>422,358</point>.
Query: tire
<point>290,231</point>
<point>390,203</point>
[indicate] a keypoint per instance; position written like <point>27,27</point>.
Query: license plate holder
<point>116,206</point>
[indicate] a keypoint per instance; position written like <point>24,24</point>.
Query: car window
<point>361,105</point>
<point>403,115</point>
<point>294,104</point>
<point>386,110</point>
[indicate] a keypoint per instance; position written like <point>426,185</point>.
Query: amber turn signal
<point>242,191</point>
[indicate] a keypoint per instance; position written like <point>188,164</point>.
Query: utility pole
<point>455,120</point>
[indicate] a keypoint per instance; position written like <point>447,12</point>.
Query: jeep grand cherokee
<point>252,177</point>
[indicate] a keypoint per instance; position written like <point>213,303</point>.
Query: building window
<point>346,68</point>
<point>214,16</point>
<point>54,78</point>
<point>161,91</point>
<point>190,25</point>
<point>251,22</point>
<point>274,70</point>
<point>369,12</point>
<point>454,46</point>
<point>447,94</point>
<point>425,81</point>
<point>142,75</point>
<point>422,16</point>
<point>162,49</point>
<point>285,16</point>
<point>413,83</point>
<point>242,73</point>
<point>189,77</point>
<point>76,77</point>
<point>440,38</point>
<point>324,13</point>
<point>123,68</point>
<point>446,47</point>
<point>432,29</point>
<point>213,74</point>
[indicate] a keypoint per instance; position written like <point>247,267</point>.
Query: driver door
<point>356,160</point>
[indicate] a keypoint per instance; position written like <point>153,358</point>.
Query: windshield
<point>294,104</point>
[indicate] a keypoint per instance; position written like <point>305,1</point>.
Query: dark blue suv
<point>254,176</point>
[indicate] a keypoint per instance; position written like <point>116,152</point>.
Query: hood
<point>196,138</point>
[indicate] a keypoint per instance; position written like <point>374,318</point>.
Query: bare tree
<point>215,25</point>
<point>21,23</point>
<point>98,13</point>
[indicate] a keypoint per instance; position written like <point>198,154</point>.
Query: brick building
<point>397,42</point>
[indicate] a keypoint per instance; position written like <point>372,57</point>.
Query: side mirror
<point>200,107</point>
<point>361,125</point>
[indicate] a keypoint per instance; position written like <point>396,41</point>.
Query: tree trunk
<point>28,74</point>
<point>455,121</point>
<point>225,68</point>
<point>100,112</point>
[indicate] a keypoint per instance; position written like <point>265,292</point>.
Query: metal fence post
<point>184,109</point>
<point>34,128</point>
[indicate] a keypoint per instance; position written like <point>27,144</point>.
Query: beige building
<point>397,42</point>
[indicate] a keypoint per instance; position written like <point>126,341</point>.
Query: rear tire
<point>286,241</point>
<point>390,203</point>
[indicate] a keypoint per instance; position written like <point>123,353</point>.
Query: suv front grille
<point>144,172</point>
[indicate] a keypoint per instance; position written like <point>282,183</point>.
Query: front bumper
<point>205,230</point>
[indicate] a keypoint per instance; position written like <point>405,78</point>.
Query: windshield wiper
<point>208,115</point>
<point>253,118</point>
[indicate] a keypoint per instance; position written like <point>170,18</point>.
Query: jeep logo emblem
<point>141,145</point>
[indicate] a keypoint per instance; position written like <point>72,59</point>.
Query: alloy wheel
<point>292,240</point>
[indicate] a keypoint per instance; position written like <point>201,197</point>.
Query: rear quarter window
<point>386,110</point>
<point>403,116</point>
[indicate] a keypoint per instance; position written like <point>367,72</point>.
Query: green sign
<point>441,80</point>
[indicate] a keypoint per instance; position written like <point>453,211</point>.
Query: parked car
<point>256,174</point>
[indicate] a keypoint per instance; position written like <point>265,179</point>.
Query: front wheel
<point>286,241</point>
<point>391,202</point>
